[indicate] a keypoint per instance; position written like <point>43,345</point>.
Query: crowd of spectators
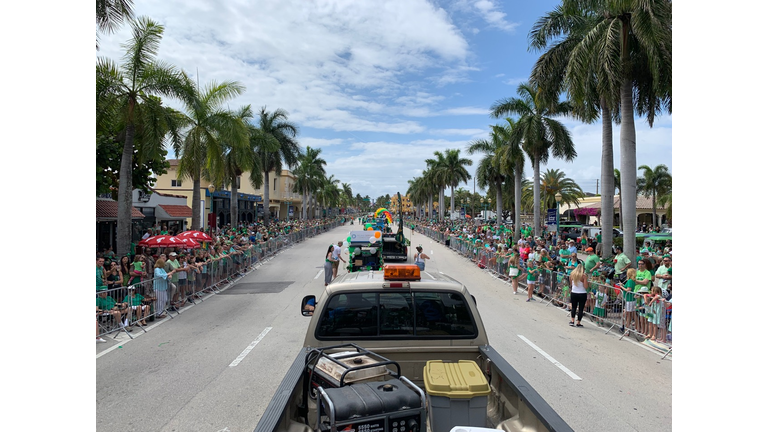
<point>646,285</point>
<point>160,279</point>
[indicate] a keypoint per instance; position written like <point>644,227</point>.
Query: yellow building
<point>283,202</point>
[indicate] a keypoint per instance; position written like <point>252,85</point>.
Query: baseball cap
<point>589,249</point>
<point>173,254</point>
<point>643,250</point>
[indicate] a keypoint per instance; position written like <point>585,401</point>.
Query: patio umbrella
<point>190,243</point>
<point>161,241</point>
<point>196,235</point>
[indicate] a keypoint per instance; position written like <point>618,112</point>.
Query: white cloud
<point>489,11</point>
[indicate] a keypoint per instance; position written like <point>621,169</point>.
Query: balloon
<point>357,251</point>
<point>349,239</point>
<point>372,239</point>
<point>377,234</point>
<point>369,228</point>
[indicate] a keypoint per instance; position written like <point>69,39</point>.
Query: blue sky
<point>378,86</point>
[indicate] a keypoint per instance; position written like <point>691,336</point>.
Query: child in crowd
<point>658,316</point>
<point>600,300</point>
<point>629,299</point>
<point>643,314</point>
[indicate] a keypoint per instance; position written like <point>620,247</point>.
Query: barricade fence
<point>642,315</point>
<point>125,308</point>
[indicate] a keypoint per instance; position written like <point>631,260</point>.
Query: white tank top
<point>418,258</point>
<point>577,287</point>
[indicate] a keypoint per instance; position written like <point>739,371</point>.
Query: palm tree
<point>417,193</point>
<point>631,41</point>
<point>655,182</point>
<point>490,171</point>
<point>275,138</point>
<point>665,200</point>
<point>128,96</point>
<point>512,163</point>
<point>554,181</point>
<point>454,172</point>
<point>539,132</point>
<point>239,157</point>
<point>110,14</point>
<point>212,129</point>
<point>617,185</point>
<point>309,175</point>
<point>561,32</point>
<point>433,184</point>
<point>346,195</point>
<point>329,193</point>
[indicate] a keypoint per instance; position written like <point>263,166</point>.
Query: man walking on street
<point>337,257</point>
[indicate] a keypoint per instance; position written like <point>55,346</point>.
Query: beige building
<point>590,211</point>
<point>283,202</point>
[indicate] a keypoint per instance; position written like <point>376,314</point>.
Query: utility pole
<point>597,187</point>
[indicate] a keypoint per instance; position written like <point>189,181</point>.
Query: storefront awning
<point>172,212</point>
<point>106,211</point>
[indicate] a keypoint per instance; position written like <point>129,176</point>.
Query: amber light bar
<point>401,272</point>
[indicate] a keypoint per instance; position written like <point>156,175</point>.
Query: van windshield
<point>396,315</point>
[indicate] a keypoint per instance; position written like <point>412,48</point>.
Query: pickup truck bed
<point>408,317</point>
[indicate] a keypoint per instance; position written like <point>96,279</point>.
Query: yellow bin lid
<point>462,380</point>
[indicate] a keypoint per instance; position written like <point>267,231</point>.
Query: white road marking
<point>433,278</point>
<point>548,357</point>
<point>318,273</point>
<point>250,347</point>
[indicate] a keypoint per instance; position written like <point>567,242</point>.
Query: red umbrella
<point>162,241</point>
<point>189,243</point>
<point>196,235</point>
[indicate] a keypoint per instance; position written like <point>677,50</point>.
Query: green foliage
<point>109,154</point>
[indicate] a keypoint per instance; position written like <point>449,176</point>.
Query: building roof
<point>106,210</point>
<point>641,203</point>
<point>176,211</point>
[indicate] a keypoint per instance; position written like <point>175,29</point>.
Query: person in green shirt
<point>599,240</point>
<point>621,261</point>
<point>590,264</point>
<point>135,303</point>
<point>106,306</point>
<point>644,276</point>
<point>531,278</point>
<point>629,289</point>
<point>171,265</point>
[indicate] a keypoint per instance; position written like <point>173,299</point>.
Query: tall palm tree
<point>454,172</point>
<point>329,193</point>
<point>561,32</point>
<point>539,132</point>
<point>211,127</point>
<point>417,193</point>
<point>129,96</point>
<point>309,175</point>
<point>275,138</point>
<point>433,184</point>
<point>490,172</point>
<point>617,185</point>
<point>239,158</point>
<point>110,14</point>
<point>554,181</point>
<point>512,163</point>
<point>631,41</point>
<point>656,181</point>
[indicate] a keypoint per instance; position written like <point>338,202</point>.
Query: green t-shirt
<point>564,255</point>
<point>105,303</point>
<point>621,262</point>
<point>591,262</point>
<point>133,301</point>
<point>599,238</point>
<point>531,273</point>
<point>644,275</point>
<point>628,296</point>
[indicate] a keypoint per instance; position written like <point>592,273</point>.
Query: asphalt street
<point>215,367</point>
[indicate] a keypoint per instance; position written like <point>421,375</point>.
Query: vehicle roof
<point>361,281</point>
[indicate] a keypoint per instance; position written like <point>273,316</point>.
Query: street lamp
<point>485,202</point>
<point>558,198</point>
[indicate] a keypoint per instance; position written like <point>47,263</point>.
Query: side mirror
<point>308,305</point>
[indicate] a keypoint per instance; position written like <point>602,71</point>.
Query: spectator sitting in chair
<point>106,305</point>
<point>135,303</point>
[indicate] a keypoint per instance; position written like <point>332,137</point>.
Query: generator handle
<point>352,369</point>
<point>331,409</point>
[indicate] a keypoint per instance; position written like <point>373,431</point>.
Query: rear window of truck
<point>396,315</point>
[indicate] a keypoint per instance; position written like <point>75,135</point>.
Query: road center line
<point>250,347</point>
<point>548,357</point>
<point>318,273</point>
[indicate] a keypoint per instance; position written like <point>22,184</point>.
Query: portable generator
<point>395,405</point>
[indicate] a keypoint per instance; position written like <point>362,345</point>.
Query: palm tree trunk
<point>431,206</point>
<point>452,200</point>
<point>125,195</point>
<point>266,197</point>
<point>196,222</point>
<point>233,202</point>
<point>628,148</point>
<point>498,203</point>
<point>606,199</point>
<point>536,198</point>
<point>653,204</point>
<point>518,197</point>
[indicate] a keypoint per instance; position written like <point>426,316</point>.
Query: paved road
<point>216,366</point>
